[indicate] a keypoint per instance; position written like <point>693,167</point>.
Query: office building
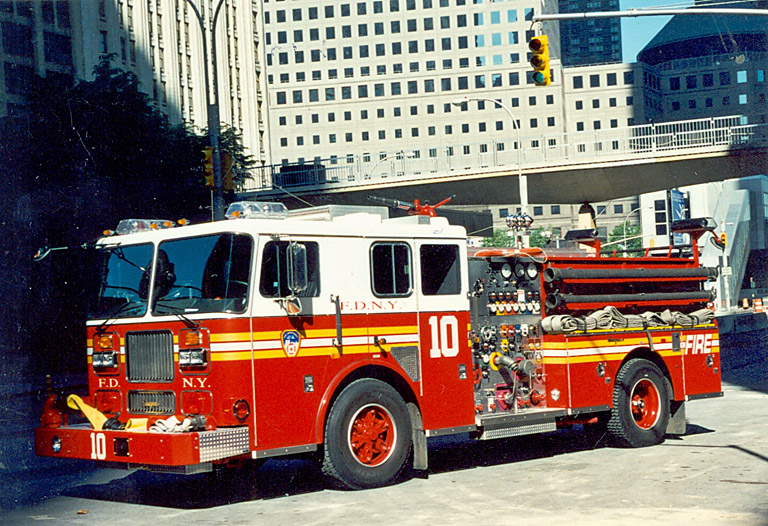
<point>590,41</point>
<point>158,40</point>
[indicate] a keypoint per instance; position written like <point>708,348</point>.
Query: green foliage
<point>538,239</point>
<point>84,156</point>
<point>106,149</point>
<point>627,232</point>
<point>500,238</point>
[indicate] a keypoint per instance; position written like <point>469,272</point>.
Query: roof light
<point>131,226</point>
<point>256,210</point>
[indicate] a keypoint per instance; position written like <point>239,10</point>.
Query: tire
<point>640,411</point>
<point>367,436</point>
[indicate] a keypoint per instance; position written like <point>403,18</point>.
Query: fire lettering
<point>108,383</point>
<point>698,344</point>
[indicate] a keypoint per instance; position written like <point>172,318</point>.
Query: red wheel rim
<point>372,435</point>
<point>645,402</point>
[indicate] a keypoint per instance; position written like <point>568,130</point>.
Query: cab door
<point>289,333</point>
<point>444,324</point>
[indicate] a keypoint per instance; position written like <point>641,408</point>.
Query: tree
<point>626,237</point>
<point>500,238</point>
<point>85,155</point>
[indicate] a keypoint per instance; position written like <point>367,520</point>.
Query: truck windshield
<point>202,274</point>
<point>124,285</point>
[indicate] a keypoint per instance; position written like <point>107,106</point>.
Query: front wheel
<point>640,411</point>
<point>367,436</point>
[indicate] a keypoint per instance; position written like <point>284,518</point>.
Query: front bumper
<point>160,449</point>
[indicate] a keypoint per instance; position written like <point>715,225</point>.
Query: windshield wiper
<point>177,312</point>
<point>113,316</point>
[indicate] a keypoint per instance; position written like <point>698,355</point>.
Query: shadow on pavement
<point>281,478</point>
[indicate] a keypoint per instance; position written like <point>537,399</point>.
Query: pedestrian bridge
<point>565,168</point>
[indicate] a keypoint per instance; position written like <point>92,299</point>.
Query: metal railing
<point>646,141</point>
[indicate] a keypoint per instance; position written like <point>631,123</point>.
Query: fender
<point>333,386</point>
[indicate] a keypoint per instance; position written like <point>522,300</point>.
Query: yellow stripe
<point>231,337</point>
<point>594,358</point>
<point>303,353</point>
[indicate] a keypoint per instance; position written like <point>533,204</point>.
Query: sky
<point>636,32</point>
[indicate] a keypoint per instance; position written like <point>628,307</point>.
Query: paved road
<point>716,474</point>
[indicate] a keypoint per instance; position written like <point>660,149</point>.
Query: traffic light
<point>723,239</point>
<point>208,165</point>
<point>539,47</point>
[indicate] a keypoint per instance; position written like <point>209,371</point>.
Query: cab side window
<point>273,282</point>
<point>440,270</point>
<point>391,269</point>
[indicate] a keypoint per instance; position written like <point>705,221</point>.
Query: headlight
<point>104,360</point>
<point>192,358</point>
<point>56,444</point>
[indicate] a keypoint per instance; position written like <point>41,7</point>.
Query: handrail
<point>644,141</point>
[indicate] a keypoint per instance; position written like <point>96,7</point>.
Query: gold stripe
<point>231,337</point>
<point>610,357</point>
<point>303,353</point>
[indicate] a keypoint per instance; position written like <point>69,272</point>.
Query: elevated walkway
<point>562,168</point>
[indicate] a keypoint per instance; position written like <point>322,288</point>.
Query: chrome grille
<point>149,356</point>
<point>151,402</point>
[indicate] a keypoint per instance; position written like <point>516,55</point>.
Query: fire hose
<point>610,318</point>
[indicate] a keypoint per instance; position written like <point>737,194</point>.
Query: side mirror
<point>297,267</point>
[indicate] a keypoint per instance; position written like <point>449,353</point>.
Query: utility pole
<point>212,105</point>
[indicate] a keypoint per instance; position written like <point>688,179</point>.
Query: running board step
<point>505,425</point>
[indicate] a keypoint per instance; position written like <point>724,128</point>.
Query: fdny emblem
<point>291,341</point>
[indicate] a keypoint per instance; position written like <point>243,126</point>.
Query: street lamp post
<point>212,106</point>
<point>397,155</point>
<point>521,221</point>
<point>522,179</point>
<point>624,226</point>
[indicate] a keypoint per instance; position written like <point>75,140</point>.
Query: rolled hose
<point>556,299</point>
<point>556,274</point>
<point>610,318</point>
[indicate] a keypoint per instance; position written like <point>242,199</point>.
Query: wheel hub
<point>645,402</point>
<point>372,435</point>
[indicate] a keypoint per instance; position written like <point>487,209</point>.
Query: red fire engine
<point>358,336</point>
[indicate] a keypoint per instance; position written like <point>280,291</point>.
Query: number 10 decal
<point>98,446</point>
<point>445,336</point>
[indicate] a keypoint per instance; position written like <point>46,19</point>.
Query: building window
<point>725,78</point>
<point>707,80</point>
<point>594,81</point>
<point>578,82</point>
<point>674,83</point>
<point>690,82</point>
<point>554,210</point>
<point>741,77</point>
<point>538,210</point>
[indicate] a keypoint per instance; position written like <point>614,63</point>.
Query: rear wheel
<point>367,436</point>
<point>640,411</point>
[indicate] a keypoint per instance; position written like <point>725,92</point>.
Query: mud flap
<point>676,424</point>
<point>419,439</point>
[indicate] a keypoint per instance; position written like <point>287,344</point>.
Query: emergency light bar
<point>256,210</point>
<point>131,226</point>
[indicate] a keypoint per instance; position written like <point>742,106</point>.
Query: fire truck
<point>342,333</point>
